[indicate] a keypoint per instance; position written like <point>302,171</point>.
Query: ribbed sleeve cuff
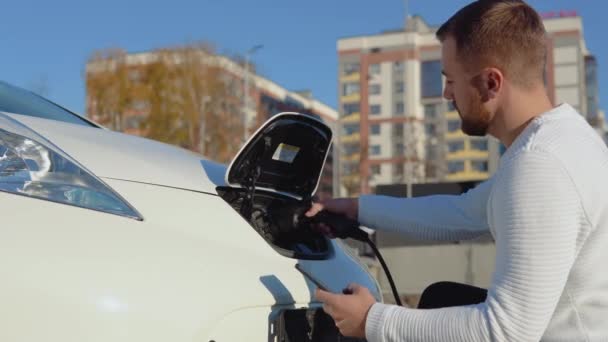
<point>374,324</point>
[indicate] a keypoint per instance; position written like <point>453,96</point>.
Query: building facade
<point>396,126</point>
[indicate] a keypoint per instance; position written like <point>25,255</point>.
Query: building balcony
<point>452,115</point>
<point>354,77</point>
<point>467,154</point>
<point>351,118</point>
<point>351,138</point>
<point>459,134</point>
<point>467,176</point>
<point>352,158</point>
<point>351,179</point>
<point>356,97</point>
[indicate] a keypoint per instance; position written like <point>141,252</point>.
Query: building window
<point>351,129</point>
<point>374,129</point>
<point>432,152</point>
<point>350,88</point>
<point>399,87</point>
<point>350,169</point>
<point>453,126</point>
<point>479,145</point>
<point>455,166</point>
<point>351,108</point>
<point>398,66</point>
<point>375,109</point>
<point>432,83</point>
<point>451,106</point>
<point>592,86</point>
<point>374,89</point>
<point>398,130</point>
<point>350,149</point>
<point>479,165</point>
<point>375,169</point>
<point>398,170</point>
<point>502,149</point>
<point>374,150</point>
<point>374,69</point>
<point>350,68</point>
<point>430,129</point>
<point>455,146</point>
<point>399,150</point>
<point>430,111</point>
<point>399,108</point>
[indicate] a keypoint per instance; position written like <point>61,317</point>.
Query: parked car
<point>112,237</point>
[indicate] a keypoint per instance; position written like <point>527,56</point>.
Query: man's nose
<point>447,93</point>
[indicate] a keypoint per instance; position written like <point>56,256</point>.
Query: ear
<point>493,80</point>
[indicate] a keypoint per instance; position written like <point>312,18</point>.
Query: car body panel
<point>74,274</point>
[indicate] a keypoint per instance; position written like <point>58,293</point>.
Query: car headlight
<point>32,166</point>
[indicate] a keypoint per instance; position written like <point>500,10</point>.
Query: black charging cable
<point>344,227</point>
<point>385,268</point>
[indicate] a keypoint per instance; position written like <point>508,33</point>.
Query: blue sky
<point>48,42</point>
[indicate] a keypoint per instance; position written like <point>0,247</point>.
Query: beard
<point>477,119</point>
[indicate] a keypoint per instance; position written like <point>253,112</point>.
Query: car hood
<point>114,155</point>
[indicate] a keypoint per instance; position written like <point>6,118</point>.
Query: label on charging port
<point>285,153</point>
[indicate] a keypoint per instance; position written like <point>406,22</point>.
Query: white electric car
<point>112,237</point>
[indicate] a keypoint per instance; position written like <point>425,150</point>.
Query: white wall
<point>414,268</point>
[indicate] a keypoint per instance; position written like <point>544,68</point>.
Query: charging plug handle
<point>341,226</point>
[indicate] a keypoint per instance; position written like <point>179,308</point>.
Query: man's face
<point>464,90</point>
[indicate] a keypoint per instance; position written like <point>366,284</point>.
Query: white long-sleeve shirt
<point>547,209</point>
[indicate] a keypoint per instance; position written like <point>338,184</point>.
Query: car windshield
<point>18,101</point>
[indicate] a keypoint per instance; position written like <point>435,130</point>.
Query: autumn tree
<point>189,99</point>
<point>109,87</point>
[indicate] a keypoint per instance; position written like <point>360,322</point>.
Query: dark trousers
<point>445,294</point>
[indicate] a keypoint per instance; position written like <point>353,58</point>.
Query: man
<point>545,206</point>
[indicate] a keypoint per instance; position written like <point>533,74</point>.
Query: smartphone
<point>311,278</point>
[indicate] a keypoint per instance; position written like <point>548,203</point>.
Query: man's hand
<point>345,206</point>
<point>348,311</point>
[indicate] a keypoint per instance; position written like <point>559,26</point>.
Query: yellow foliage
<point>178,95</point>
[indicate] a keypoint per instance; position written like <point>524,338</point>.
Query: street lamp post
<point>248,55</point>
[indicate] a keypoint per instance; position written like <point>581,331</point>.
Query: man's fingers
<point>325,296</point>
<point>314,209</point>
<point>356,288</point>
<point>328,300</point>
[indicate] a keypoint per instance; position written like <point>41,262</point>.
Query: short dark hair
<point>508,34</point>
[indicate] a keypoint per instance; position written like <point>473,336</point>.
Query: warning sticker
<point>286,153</point>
